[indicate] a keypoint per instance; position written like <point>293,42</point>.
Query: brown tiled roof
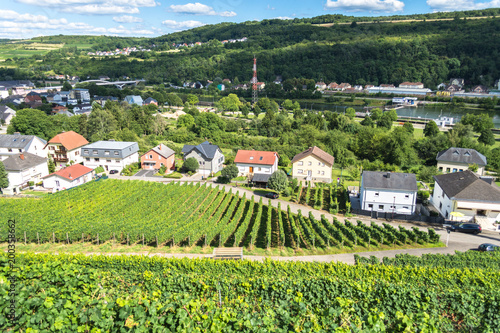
<point>256,157</point>
<point>70,140</point>
<point>72,172</point>
<point>319,153</point>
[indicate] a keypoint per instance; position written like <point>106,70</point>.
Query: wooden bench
<point>228,253</point>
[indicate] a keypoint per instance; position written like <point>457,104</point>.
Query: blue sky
<point>150,18</point>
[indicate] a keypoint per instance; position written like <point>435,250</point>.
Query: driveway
<point>145,173</point>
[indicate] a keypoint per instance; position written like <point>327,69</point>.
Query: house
<point>388,192</point>
<point>209,157</point>
<point>466,194</point>
<point>411,85</point>
<point>101,100</point>
<point>459,159</point>
<point>313,164</point>
<point>134,99</point>
<point>11,144</point>
<point>59,108</point>
<point>111,155</point>
<point>320,85</point>
<point>82,108</point>
<point>79,94</point>
<point>68,177</point>
<point>333,86</point>
<point>479,89</point>
<point>453,88</point>
<point>157,157</point>
<point>260,165</point>
<point>150,100</point>
<point>343,86</point>
<point>33,100</point>
<point>384,85</point>
<point>441,86</point>
<point>6,115</point>
<point>23,168</point>
<point>64,148</point>
<point>457,82</point>
<point>221,87</point>
<point>14,99</point>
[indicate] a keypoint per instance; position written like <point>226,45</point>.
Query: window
<point>260,159</point>
<point>86,151</point>
<point>407,196</point>
<point>447,169</point>
<point>151,157</point>
<point>376,194</point>
<point>94,152</point>
<point>108,161</point>
<point>20,150</point>
<point>87,159</point>
<point>461,170</point>
<point>322,173</point>
<point>57,183</point>
<point>77,153</point>
<point>117,153</point>
<point>440,205</point>
<point>106,152</point>
<point>319,163</point>
<point>310,163</point>
<point>159,157</point>
<point>300,171</point>
<point>10,150</point>
<point>370,205</point>
<point>301,163</point>
<point>454,169</point>
<point>381,207</point>
<point>441,169</point>
<point>251,157</point>
<point>322,164</point>
<point>406,207</point>
<point>319,172</point>
<point>96,159</point>
<point>393,207</point>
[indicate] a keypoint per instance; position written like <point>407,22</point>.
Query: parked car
<point>487,247</point>
<point>470,228</point>
<point>272,195</point>
<point>112,172</point>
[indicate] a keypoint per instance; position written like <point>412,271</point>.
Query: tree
<point>385,122</point>
<point>191,164</point>
<point>230,103</point>
<point>431,129</point>
<point>4,179</point>
<point>426,173</point>
<point>287,104</point>
<point>230,172</point>
<point>66,86</point>
<point>278,181</point>
<point>408,127</point>
<point>51,166</point>
<point>392,114</point>
<point>376,114</point>
<point>350,112</point>
<point>245,111</point>
<point>367,121</point>
<point>256,111</point>
<point>192,99</point>
<point>487,137</point>
<point>185,120</point>
<point>473,167</point>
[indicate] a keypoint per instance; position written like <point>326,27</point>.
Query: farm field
<point>149,213</point>
<point>79,293</point>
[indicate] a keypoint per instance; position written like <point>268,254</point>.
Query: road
<point>457,241</point>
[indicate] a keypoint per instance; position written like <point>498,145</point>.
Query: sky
<point>22,19</point>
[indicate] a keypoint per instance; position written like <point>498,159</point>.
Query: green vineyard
<point>185,215</point>
<point>79,293</point>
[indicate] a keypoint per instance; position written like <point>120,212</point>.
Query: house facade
<point>157,157</point>
<point>416,85</point>
<point>6,115</point>
<point>210,157</point>
<point>22,168</point>
<point>79,94</point>
<point>388,192</point>
<point>68,177</point>
<point>11,144</point>
<point>313,164</point>
<point>64,148</point>
<point>459,159</point>
<point>468,194</point>
<point>258,164</point>
<point>111,155</point>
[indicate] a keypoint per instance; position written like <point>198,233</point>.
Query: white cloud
<point>366,5</point>
<point>182,25</point>
<point>127,19</point>
<point>100,10</point>
<point>446,5</point>
<point>199,9</point>
<point>63,3</point>
<point>283,18</point>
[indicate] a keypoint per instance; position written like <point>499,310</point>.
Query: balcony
<point>61,159</point>
<point>61,151</point>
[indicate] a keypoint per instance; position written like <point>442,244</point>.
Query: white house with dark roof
<point>11,144</point>
<point>111,155</point>
<point>459,159</point>
<point>22,168</point>
<point>210,157</point>
<point>6,115</point>
<point>468,194</point>
<point>388,192</point>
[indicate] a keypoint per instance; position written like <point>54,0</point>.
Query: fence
<point>395,216</point>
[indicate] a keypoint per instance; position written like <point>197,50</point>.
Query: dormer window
<point>467,153</point>
<point>260,159</point>
<point>86,151</point>
<point>456,152</point>
<point>94,152</point>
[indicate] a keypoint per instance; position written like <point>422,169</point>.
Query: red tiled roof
<point>256,157</point>
<point>319,153</point>
<point>70,140</point>
<point>72,172</point>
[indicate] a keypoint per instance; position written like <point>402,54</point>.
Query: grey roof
<point>260,177</point>
<point>205,149</point>
<point>14,99</point>
<point>17,141</point>
<point>149,100</point>
<point>110,149</point>
<point>163,150</point>
<point>5,111</point>
<point>466,185</point>
<point>389,180</point>
<point>462,155</point>
<point>16,163</point>
<point>17,83</point>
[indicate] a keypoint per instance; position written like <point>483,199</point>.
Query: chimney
<point>70,176</point>
<point>21,156</point>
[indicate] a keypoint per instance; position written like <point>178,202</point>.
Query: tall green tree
<point>191,164</point>
<point>4,178</point>
<point>487,137</point>
<point>431,129</point>
<point>278,181</point>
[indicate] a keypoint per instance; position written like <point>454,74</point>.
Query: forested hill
<point>430,51</point>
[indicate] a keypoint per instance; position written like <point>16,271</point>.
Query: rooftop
<point>315,151</point>
<point>256,157</point>
<point>72,172</point>
<point>23,161</point>
<point>389,180</point>
<point>466,185</point>
<point>462,155</point>
<point>110,145</point>
<point>69,140</point>
<point>206,149</point>
<point>17,140</point>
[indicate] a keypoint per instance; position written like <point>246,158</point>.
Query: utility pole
<point>254,81</point>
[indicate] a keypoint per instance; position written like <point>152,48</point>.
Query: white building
<point>68,177</point>
<point>11,144</point>
<point>465,193</point>
<point>6,115</point>
<point>111,155</point>
<point>64,148</point>
<point>22,168</point>
<point>459,159</point>
<point>260,164</point>
<point>388,192</point>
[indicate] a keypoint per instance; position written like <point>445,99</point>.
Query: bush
<point>99,169</point>
<point>162,170</point>
<point>31,183</point>
<point>223,180</point>
<point>191,165</point>
<point>131,169</point>
<point>278,181</point>
<point>288,191</point>
<point>230,172</point>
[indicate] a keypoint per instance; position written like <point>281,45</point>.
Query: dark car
<point>470,228</point>
<point>487,247</point>
<point>272,195</point>
<point>112,172</point>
